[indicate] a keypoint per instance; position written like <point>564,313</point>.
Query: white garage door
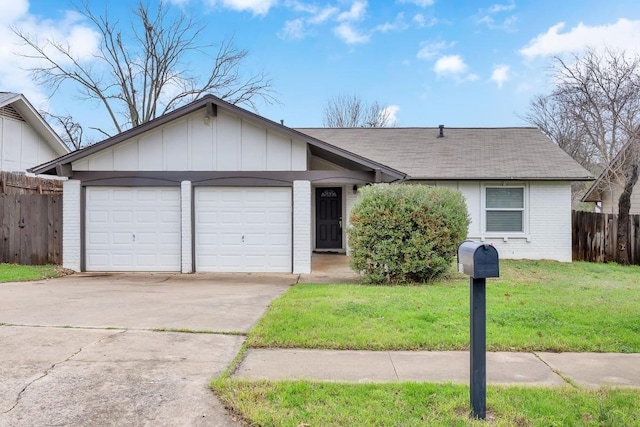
<point>243,229</point>
<point>132,229</point>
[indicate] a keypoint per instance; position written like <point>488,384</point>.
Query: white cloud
<point>432,49</point>
<point>494,18</point>
<point>323,15</point>
<point>497,8</point>
<point>349,35</point>
<point>397,25</point>
<point>501,74</point>
<point>421,21</point>
<point>292,30</point>
<point>344,21</point>
<point>300,27</point>
<point>391,112</point>
<point>13,10</point>
<point>450,64</point>
<point>621,35</point>
<point>355,13</point>
<point>71,30</point>
<point>453,66</point>
<point>421,3</point>
<point>257,7</point>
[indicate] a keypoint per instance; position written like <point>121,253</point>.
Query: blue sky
<point>458,63</point>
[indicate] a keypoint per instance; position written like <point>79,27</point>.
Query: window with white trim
<point>504,209</point>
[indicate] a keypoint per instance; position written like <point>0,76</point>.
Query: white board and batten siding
<point>243,229</point>
<point>21,147</point>
<point>133,229</point>
<point>191,143</point>
<point>610,200</point>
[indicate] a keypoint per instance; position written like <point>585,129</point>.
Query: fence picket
<point>595,237</point>
<point>30,228</point>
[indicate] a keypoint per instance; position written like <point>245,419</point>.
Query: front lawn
<point>19,273</point>
<point>533,306</point>
<point>304,403</point>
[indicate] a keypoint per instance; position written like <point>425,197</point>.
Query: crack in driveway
<point>52,367</point>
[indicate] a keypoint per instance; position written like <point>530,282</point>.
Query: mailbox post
<point>479,261</point>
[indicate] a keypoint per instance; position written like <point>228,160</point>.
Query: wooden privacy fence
<point>19,183</point>
<point>30,219</point>
<point>31,229</point>
<point>595,237</point>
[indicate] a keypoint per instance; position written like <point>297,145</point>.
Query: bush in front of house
<point>406,233</point>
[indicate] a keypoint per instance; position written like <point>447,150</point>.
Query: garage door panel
<point>98,238</point>
<point>124,195</point>
<point>97,259</point>
<point>277,218</point>
<point>118,238</point>
<point>121,260</point>
<point>98,216</point>
<point>170,238</point>
<point>121,216</point>
<point>243,230</point>
<point>169,217</point>
<point>132,229</point>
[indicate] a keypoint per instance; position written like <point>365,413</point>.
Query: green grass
<point>19,273</point>
<point>303,403</point>
<point>533,306</point>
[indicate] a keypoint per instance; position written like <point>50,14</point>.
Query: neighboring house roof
<point>212,103</point>
<point>26,111</point>
<point>602,184</point>
<point>461,154</point>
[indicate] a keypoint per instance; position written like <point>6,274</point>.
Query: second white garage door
<point>243,229</point>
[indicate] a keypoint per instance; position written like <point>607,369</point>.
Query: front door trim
<point>328,219</point>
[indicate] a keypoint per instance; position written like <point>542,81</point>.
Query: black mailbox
<point>478,260</point>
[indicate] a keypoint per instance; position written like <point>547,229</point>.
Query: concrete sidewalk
<point>536,369</point>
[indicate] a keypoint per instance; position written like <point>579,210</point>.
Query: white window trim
<point>525,212</point>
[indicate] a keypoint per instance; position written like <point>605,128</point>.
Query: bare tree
<point>344,111</point>
<point>142,72</point>
<point>560,127</point>
<point>594,114</point>
<point>71,130</point>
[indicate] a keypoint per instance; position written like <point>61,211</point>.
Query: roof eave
<point>25,108</point>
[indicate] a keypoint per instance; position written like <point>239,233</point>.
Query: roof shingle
<point>463,153</point>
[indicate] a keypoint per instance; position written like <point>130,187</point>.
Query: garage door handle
<point>134,237</point>
<point>243,239</point>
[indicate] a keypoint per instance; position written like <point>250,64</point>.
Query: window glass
<point>504,221</point>
<point>505,198</point>
<point>505,209</point>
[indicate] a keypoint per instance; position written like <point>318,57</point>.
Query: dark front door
<point>329,218</point>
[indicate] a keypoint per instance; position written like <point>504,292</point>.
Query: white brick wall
<point>71,231</point>
<point>549,225</point>
<point>301,227</point>
<point>185,227</point>
<point>548,219</point>
<point>350,199</point>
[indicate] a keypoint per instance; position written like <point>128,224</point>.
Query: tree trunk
<point>624,206</point>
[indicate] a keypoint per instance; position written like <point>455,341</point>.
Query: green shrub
<point>406,233</point>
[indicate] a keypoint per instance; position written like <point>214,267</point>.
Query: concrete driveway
<point>85,350</point>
